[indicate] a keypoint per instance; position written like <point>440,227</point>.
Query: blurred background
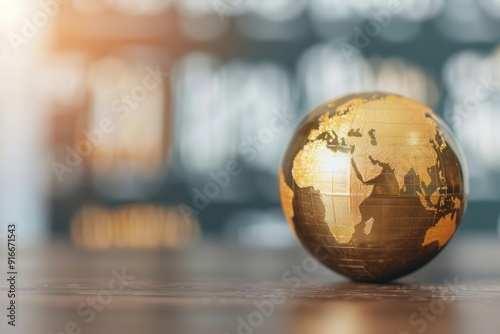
<point>161,123</point>
<point>144,136</point>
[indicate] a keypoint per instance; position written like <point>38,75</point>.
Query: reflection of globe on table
<point>376,182</point>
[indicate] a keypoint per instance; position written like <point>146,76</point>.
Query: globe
<point>373,185</point>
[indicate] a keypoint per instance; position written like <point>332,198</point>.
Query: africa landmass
<point>347,150</point>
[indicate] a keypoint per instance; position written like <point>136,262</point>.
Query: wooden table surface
<point>214,288</point>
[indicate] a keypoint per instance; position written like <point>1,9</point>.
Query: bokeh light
<point>324,71</point>
<point>131,148</point>
<point>233,102</point>
<point>398,76</point>
<point>326,68</point>
<point>491,7</point>
<point>62,79</point>
<point>136,226</point>
<point>463,20</point>
<point>420,10</point>
<point>469,77</point>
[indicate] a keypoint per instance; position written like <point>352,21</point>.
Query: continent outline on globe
<point>371,148</point>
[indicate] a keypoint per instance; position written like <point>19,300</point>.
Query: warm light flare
<point>10,12</point>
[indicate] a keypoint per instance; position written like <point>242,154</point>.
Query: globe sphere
<point>374,185</point>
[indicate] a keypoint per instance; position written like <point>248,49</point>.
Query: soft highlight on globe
<point>375,183</point>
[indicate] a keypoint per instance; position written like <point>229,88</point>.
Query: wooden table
<point>213,288</point>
